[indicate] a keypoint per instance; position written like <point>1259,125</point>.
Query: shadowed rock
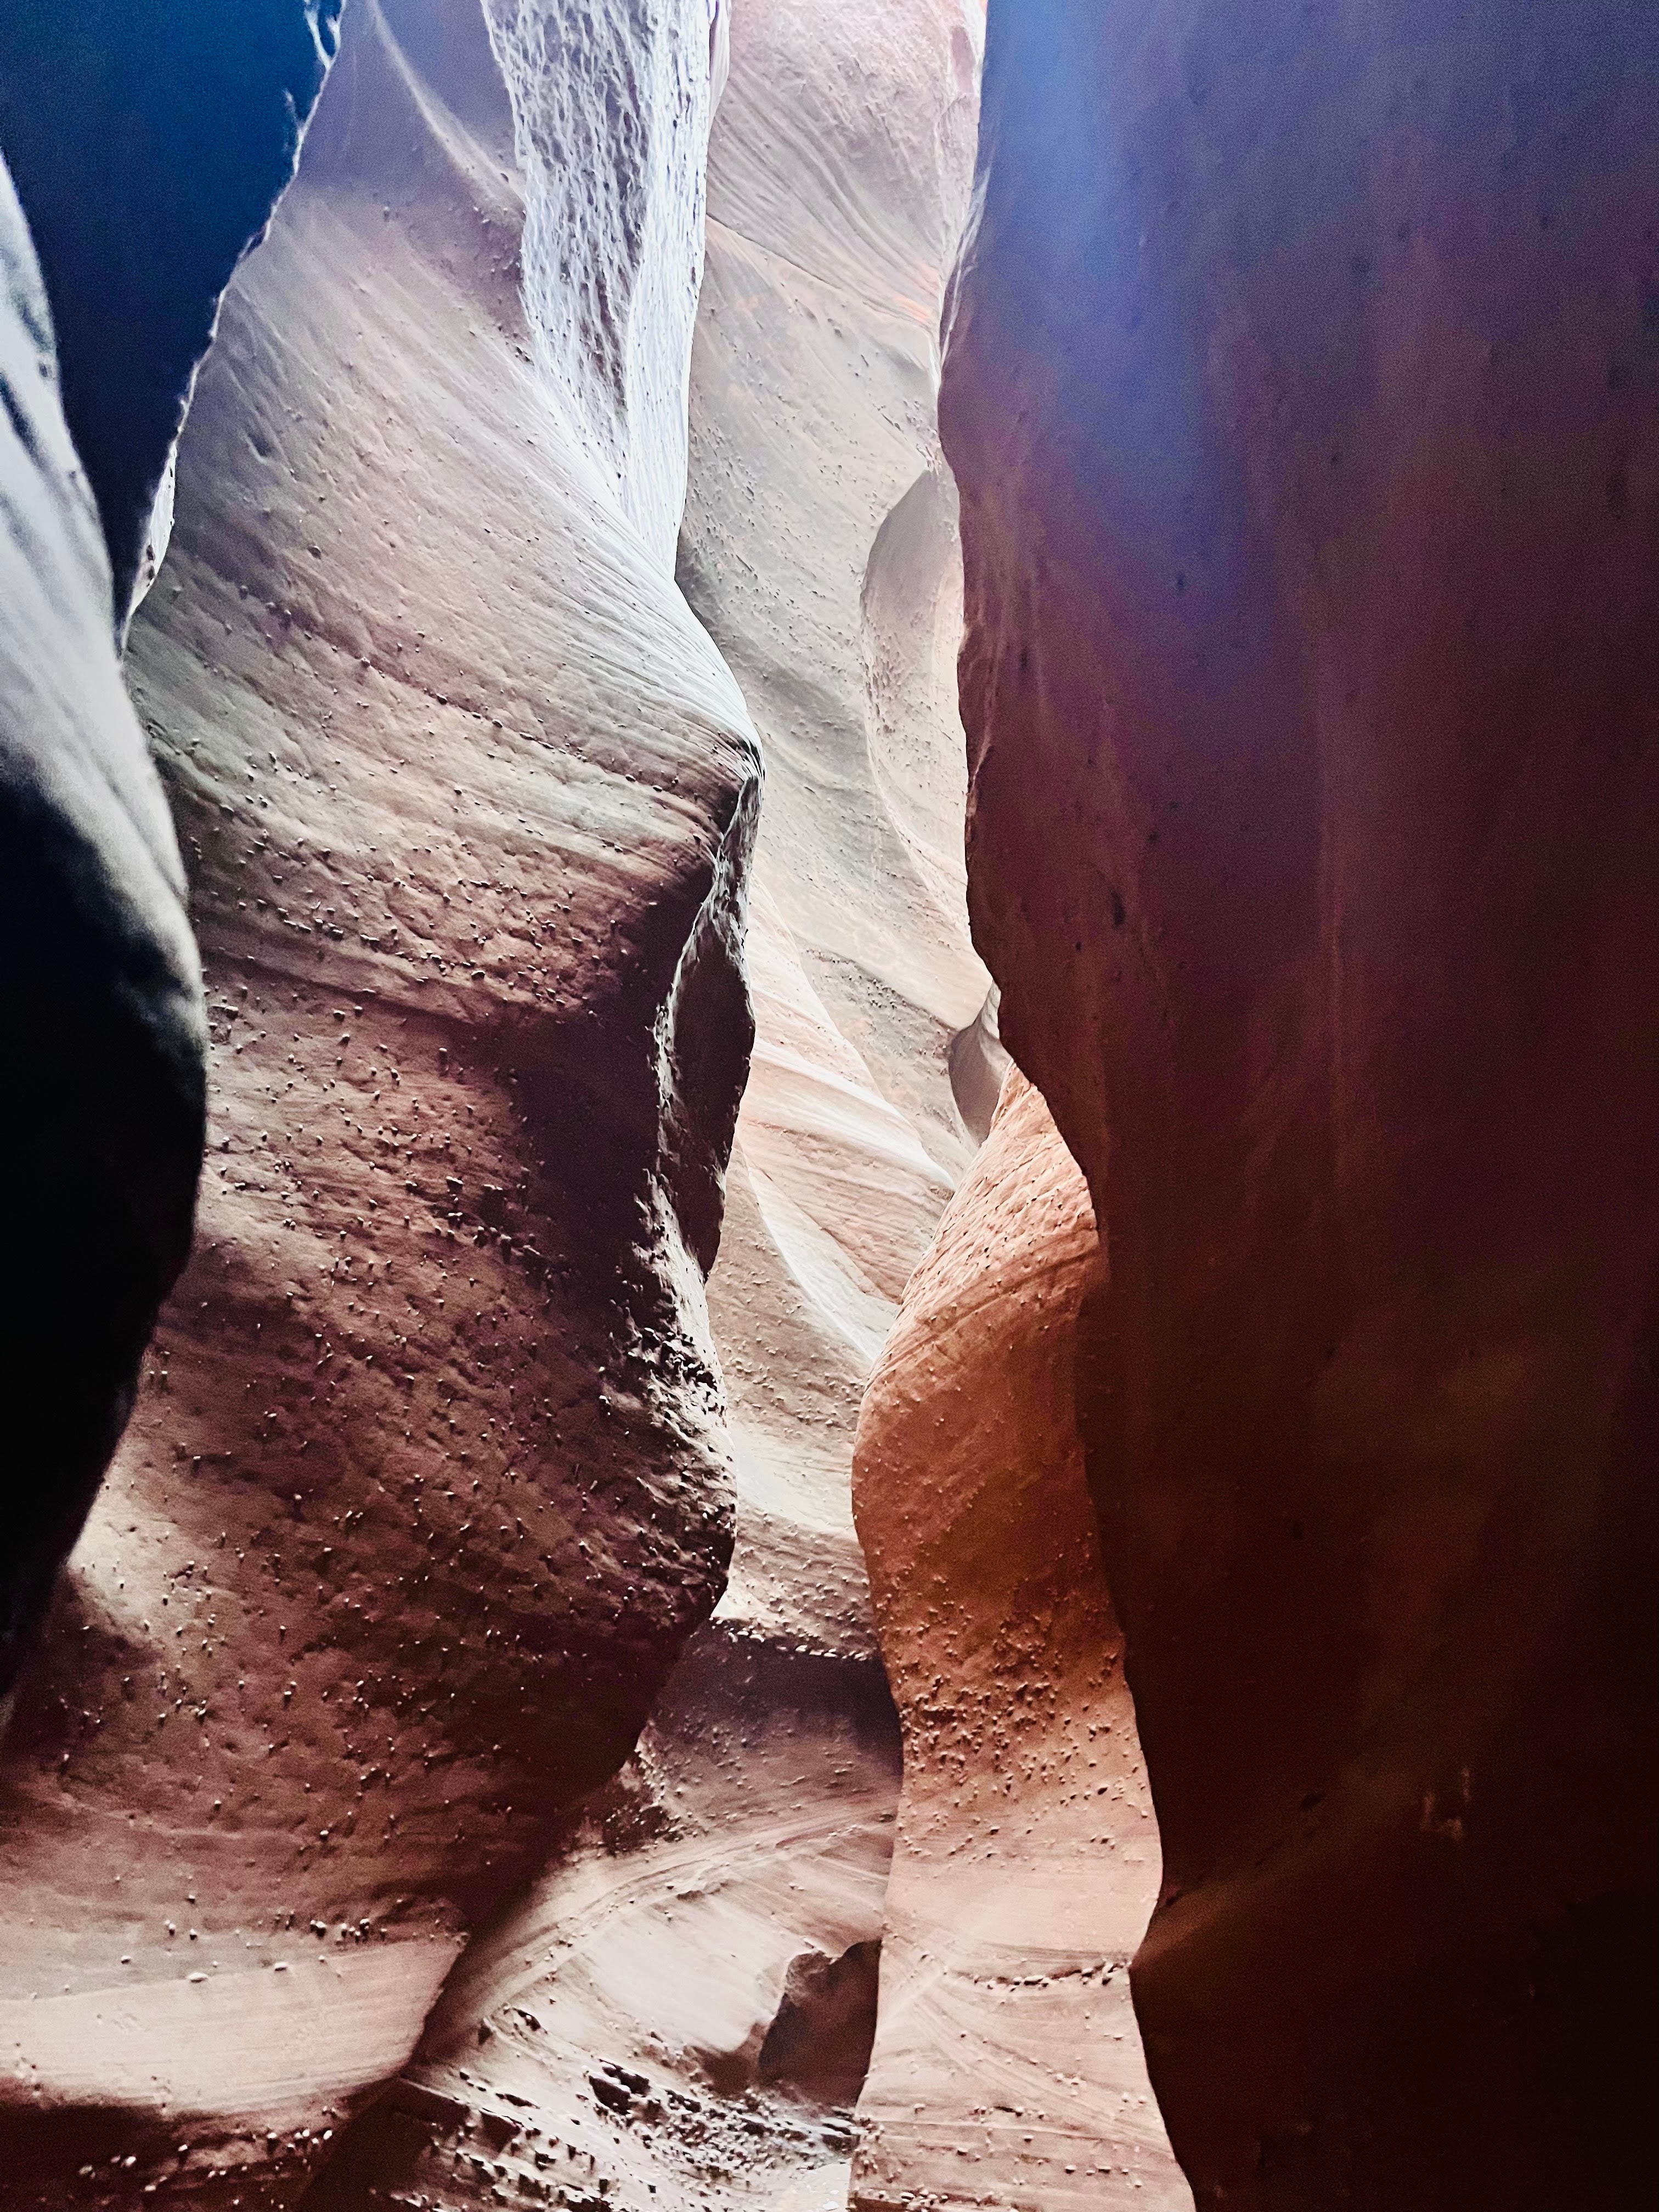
<point>428,1483</point>
<point>1301,386</point>
<point>100,1008</point>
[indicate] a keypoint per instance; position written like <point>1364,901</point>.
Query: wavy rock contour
<point>1007,2068</point>
<point>429,1483</point>
<point>1300,386</point>
<point>680,2009</point>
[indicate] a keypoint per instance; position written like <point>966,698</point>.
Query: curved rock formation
<point>146,156</point>
<point>100,1006</point>
<point>1301,388</point>
<point>820,549</point>
<point>677,2012</point>
<point>428,1483</point>
<point>1008,2067</point>
<point>682,2003</point>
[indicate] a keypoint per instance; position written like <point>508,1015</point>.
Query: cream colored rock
<point>819,548</point>
<point>429,1483</point>
<point>1007,2068</point>
<point>718,1912</point>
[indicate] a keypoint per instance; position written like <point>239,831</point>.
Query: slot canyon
<point>830,863</point>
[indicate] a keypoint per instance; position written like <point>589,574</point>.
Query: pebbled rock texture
<point>149,140</point>
<point>679,2011</point>
<point>101,1000</point>
<point>428,1485</point>
<point>1300,386</point>
<point>1007,2068</point>
<point>683,2002</point>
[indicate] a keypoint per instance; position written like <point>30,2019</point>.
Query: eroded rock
<point>429,1485</point>
<point>1008,2067</point>
<point>1300,386</point>
<point>752,1830</point>
<point>100,1003</point>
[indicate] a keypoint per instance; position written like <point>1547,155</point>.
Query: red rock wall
<point>1300,387</point>
<point>429,1482</point>
<point>1008,2067</point>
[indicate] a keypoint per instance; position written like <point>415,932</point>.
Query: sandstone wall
<point>143,166</point>
<point>428,1483</point>
<point>1300,386</point>
<point>820,549</point>
<point>681,2008</point>
<point>1007,2068</point>
<point>111,119</point>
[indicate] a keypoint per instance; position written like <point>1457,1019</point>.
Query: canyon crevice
<point>680,2007</point>
<point>718,1504</point>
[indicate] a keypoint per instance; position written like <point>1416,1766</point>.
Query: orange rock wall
<point>1007,2068</point>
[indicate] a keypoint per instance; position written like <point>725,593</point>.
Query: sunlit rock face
<point>681,2009</point>
<point>1301,390</point>
<point>428,1483</point>
<point>1007,2068</point>
<point>820,548</point>
<point>100,1110</point>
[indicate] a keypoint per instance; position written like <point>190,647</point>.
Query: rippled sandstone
<point>428,1483</point>
<point>683,2003</point>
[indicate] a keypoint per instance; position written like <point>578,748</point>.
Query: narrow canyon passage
<point>827,936</point>
<point>467,804</point>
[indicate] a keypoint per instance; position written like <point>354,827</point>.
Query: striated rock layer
<point>1300,385</point>
<point>679,2011</point>
<point>820,549</point>
<point>100,1006</point>
<point>1007,2068</point>
<point>428,1483</point>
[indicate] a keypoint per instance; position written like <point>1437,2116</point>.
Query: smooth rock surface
<point>428,1483</point>
<point>820,549</point>
<point>1301,390</point>
<point>101,999</point>
<point>1007,2068</point>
